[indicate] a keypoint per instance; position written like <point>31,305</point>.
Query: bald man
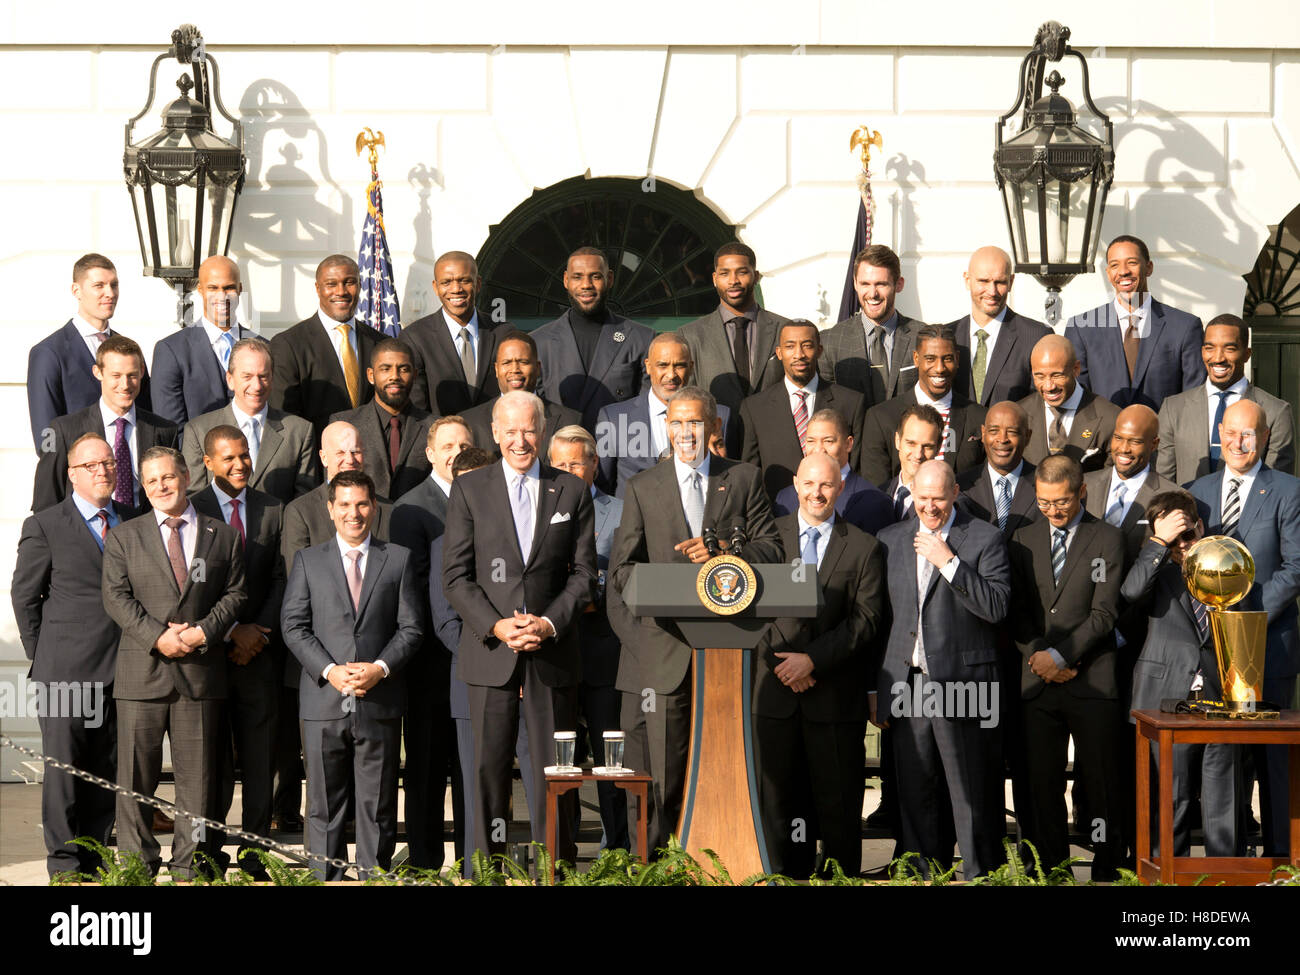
<point>1260,507</point>
<point>993,342</point>
<point>809,712</point>
<point>189,366</point>
<point>1063,416</point>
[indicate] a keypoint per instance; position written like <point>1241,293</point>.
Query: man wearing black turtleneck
<point>590,356</point>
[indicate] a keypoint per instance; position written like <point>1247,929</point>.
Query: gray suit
<point>845,359</point>
<point>715,366</point>
<point>614,374</point>
<point>351,736</point>
<point>286,461</point>
<point>1172,655</point>
<point>1089,439</point>
<point>1185,434</point>
<point>182,696</point>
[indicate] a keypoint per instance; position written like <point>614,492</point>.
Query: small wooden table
<point>638,783</point>
<point>1166,730</point>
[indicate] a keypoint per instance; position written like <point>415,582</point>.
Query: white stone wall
<point>749,106</point>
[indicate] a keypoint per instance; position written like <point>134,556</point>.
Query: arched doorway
<point>659,241</point>
<point>1272,310</point>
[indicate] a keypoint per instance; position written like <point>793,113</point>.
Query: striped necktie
<point>1231,507</point>
<point>1004,502</point>
<point>1115,514</point>
<point>801,419</point>
<point>1058,553</point>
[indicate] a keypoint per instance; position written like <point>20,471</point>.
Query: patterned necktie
<point>176,551</point>
<point>1056,432</point>
<point>922,585</point>
<point>1058,553</point>
<point>900,502</point>
<point>1231,507</point>
<point>354,577</point>
<point>693,504</point>
<point>1216,447</point>
<point>254,433</point>
<point>236,522</point>
<point>980,366</point>
<point>467,361</point>
<point>394,442</point>
<point>124,486</point>
<point>102,515</point>
<point>1115,513</point>
<point>801,419</point>
<point>810,546</point>
<point>740,349</point>
<point>876,348</point>
<point>1004,502</point>
<point>351,371</point>
<point>521,503</point>
<point>943,444</point>
<point>99,337</point>
<point>1202,622</point>
<point>1131,345</point>
<point>225,342</point>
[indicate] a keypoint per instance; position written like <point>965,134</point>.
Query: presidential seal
<point>726,585</point>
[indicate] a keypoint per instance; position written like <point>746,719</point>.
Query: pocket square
<point>558,518</point>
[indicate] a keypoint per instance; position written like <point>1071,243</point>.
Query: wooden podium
<point>720,809</point>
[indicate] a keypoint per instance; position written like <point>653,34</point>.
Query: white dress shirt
<point>336,340</point>
<point>823,535</point>
<point>1067,411</point>
<point>443,486</point>
<point>944,406</point>
<point>454,328</point>
<point>1142,311</point>
<point>344,549</point>
<point>215,334</point>
<point>890,325</point>
<point>532,484</point>
<point>189,531</point>
<point>89,333</point>
<point>791,391</point>
<point>1235,392</point>
<point>996,479</point>
<point>1131,488</point>
<point>948,571</point>
<point>245,423</point>
<point>993,328</point>
<point>132,438</point>
<point>1243,492</point>
<point>684,472</point>
<point>658,410</point>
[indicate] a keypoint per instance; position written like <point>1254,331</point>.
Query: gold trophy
<point>1219,572</point>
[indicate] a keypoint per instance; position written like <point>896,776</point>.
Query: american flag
<point>378,304</point>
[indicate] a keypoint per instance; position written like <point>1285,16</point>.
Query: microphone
<point>738,539</point>
<point>710,538</point>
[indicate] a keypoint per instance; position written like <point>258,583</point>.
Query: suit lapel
<point>205,535</point>
<point>272,439</point>
<point>322,346</point>
<point>375,560</point>
<point>715,497</point>
<point>1083,431</point>
<point>601,359</point>
<point>208,363</point>
<point>80,531</point>
<point>902,358</point>
<point>835,546</point>
<point>1198,439</point>
<point>765,335</point>
<point>156,546</point>
<point>955,535</point>
<point>981,492</point>
<point>78,351</point>
<point>1073,554</point>
<point>548,498</point>
<point>1253,502</point>
<point>1146,348</point>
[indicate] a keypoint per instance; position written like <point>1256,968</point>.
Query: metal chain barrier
<point>300,856</point>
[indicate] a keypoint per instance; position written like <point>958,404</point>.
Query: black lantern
<point>184,179</point>
<point>1053,175</point>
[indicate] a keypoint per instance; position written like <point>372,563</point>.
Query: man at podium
<point>666,509</point>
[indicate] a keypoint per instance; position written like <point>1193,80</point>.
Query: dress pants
<point>1216,769</point>
<point>494,714</point>
<point>193,728</point>
<point>658,739</point>
<point>249,723</point>
<point>425,729</point>
<point>809,787</point>
<point>465,752</point>
<point>352,751</point>
<point>72,807</point>
<point>286,803</point>
<point>950,790</point>
<point>1271,763</point>
<point>1051,719</point>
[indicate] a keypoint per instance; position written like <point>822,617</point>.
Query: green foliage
<point>118,869</point>
<point>282,875</point>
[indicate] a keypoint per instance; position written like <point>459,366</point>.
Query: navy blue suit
<point>59,380</point>
<point>1270,527</point>
<point>1169,358</point>
<point>624,442</point>
<point>188,379</point>
<point>861,504</point>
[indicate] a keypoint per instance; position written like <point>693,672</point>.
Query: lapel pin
<point>550,490</point>
<point>1087,434</point>
<point>619,336</point>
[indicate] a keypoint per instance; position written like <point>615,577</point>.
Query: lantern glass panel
<point>174,211</point>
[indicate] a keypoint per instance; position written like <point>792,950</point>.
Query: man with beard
<point>393,432</point>
<point>518,367</point>
<point>1065,418</point>
<point>734,348</point>
<point>632,435</point>
<point>774,423</point>
<point>590,356</point>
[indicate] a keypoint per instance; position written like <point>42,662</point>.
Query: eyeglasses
<point>96,465</point>
<point>1061,505</point>
<point>1187,536</point>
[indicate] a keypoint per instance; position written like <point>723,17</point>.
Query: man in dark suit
<point>282,446</point>
<point>1136,349</point>
<point>1189,421</point>
<point>935,359</point>
<point>872,351</point>
<point>454,347</point>
<point>949,586</point>
<point>174,583</point>
<point>394,433</point>
<point>249,725</point>
<point>318,362</point>
<point>574,450</point>
<point>590,356</point>
<point>734,348</point>
<point>1066,570</point>
<point>1064,417</point>
<point>774,422</point>
<point>519,642</point>
<point>517,367</point>
<point>862,505</point>
<point>809,709</point>
<point>59,608</point>
<point>1261,508</point>
<point>1001,490</point>
<point>190,365</point>
<point>918,438</point>
<point>665,510</point>
<point>351,616</point>
<point>417,523</point>
<point>1178,661</point>
<point>60,367</point>
<point>632,435</point>
<point>116,416</point>
<point>998,369</point>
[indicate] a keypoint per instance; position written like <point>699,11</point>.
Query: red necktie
<point>102,515</point>
<point>801,419</point>
<point>236,522</point>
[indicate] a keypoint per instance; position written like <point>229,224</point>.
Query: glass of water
<point>614,742</point>
<point>565,744</point>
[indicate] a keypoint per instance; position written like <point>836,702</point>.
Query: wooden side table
<point>1166,730</point>
<point>638,783</point>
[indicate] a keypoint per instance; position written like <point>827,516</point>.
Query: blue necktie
<point>1216,447</point>
<point>810,546</point>
<point>225,344</point>
<point>1004,502</point>
<point>522,506</point>
<point>1058,553</point>
<point>1115,516</point>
